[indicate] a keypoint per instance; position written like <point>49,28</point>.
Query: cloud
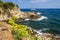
<point>37,1</point>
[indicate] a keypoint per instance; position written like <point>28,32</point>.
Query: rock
<point>1,10</point>
<point>8,13</point>
<point>24,38</point>
<point>5,31</point>
<point>48,37</point>
<point>34,17</point>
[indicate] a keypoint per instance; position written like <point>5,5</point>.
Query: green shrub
<point>9,5</point>
<point>6,6</point>
<point>19,30</point>
<point>11,21</point>
<point>14,17</point>
<point>34,38</point>
<point>1,3</point>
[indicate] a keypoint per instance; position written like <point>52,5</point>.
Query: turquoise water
<point>52,24</point>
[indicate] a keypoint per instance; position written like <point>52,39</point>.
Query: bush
<point>6,6</point>
<point>14,17</point>
<point>9,5</point>
<point>1,3</point>
<point>19,31</point>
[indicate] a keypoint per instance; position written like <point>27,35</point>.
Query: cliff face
<point>8,9</point>
<point>6,34</point>
<point>8,13</point>
<point>5,31</point>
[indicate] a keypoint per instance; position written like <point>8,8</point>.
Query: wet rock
<point>34,17</point>
<point>48,37</point>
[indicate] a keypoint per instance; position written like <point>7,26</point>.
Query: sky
<point>26,4</point>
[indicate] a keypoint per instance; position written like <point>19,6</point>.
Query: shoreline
<point>10,30</point>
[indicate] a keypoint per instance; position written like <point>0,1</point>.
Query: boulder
<point>5,31</point>
<point>34,17</point>
<point>24,38</point>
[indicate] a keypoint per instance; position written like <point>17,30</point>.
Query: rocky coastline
<point>5,32</point>
<point>6,28</point>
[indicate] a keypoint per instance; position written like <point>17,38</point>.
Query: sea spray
<point>38,19</point>
<point>38,32</point>
<point>41,18</point>
<point>38,13</point>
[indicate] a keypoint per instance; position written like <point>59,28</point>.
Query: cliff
<point>9,9</point>
<point>6,34</point>
<point>5,31</point>
<point>8,13</point>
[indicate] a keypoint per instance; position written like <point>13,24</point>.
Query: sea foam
<point>38,13</point>
<point>41,18</point>
<point>38,19</point>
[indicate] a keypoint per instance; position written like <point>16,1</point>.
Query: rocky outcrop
<point>32,15</point>
<point>8,13</point>
<point>5,31</point>
<point>6,34</point>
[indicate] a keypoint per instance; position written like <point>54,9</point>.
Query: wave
<point>37,31</point>
<point>40,32</point>
<point>45,29</point>
<point>38,13</point>
<point>38,19</point>
<point>42,18</point>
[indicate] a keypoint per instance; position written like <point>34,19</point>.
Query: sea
<point>49,25</point>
